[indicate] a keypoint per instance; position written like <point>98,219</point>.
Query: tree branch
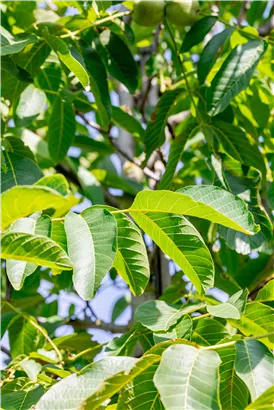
<point>243,12</point>
<point>89,324</point>
<point>145,170</point>
<point>6,351</point>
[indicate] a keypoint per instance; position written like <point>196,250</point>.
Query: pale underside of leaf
<point>194,383</point>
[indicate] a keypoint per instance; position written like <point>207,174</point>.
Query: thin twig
<point>145,170</point>
<point>6,351</point>
<point>89,324</point>
<point>44,333</point>
<point>243,12</point>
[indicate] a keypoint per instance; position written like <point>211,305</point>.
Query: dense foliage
<point>137,158</point>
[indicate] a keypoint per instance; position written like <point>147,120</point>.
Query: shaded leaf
<point>208,332</point>
<point>119,60</point>
<point>238,145</point>
<point>20,171</point>
<point>99,85</point>
<point>23,337</point>
<point>177,147</point>
<point>197,32</point>
<point>120,305</point>
<point>128,122</point>
<point>32,57</point>
<point>234,75</point>
<point>154,135</point>
<point>61,129</point>
<point>22,399</point>
<point>11,44</point>
<point>210,53</point>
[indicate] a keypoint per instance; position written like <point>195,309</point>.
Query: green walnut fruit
<point>148,13</point>
<point>182,13</point>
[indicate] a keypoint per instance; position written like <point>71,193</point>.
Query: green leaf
<point>126,121</point>
<point>99,85</point>
<point>61,130</point>
<point>179,239</point>
<point>234,75</point>
<point>31,103</point>
<point>154,135</point>
<point>9,68</point>
<point>125,344</point>
<point>177,147</point>
<point>131,261</point>
<point>203,201</point>
<point>43,226</point>
<point>20,171</point>
<point>116,382</point>
<point>187,378</point>
<point>182,330</point>
<point>56,181</point>
<point>90,185</point>
<point>120,305</point>
<point>210,53</point>
<point>141,392</point>
<point>22,399</point>
<point>38,250</point>
<point>50,78</point>
<point>234,394</point>
<point>159,316</point>
<point>266,294</point>
<point>64,53</point>
<point>32,57</point>
<point>17,271</point>
<point>119,60</point>
<point>11,44</point>
<point>208,332</point>
<point>7,319</point>
<point>263,402</point>
<point>197,32</point>
<point>75,391</point>
<point>254,365</point>
<point>257,320</point>
<point>23,337</point>
<point>232,309</point>
<point>91,240</point>
<point>239,145</point>
<point>18,147</point>
<point>31,199</point>
<point>114,181</point>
